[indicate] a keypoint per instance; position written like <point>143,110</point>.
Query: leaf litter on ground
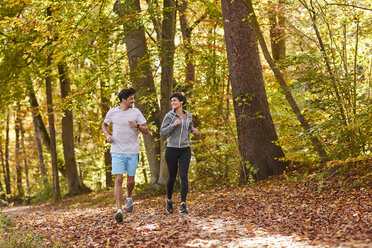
<point>284,214</point>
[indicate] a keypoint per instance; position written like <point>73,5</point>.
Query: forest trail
<point>290,215</point>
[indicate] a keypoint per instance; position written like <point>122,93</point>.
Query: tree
<point>52,131</point>
<point>256,133</point>
<point>74,184</point>
<point>296,110</point>
<point>140,72</point>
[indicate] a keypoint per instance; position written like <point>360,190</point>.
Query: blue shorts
<point>124,162</point>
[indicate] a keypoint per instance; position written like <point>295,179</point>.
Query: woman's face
<point>175,103</point>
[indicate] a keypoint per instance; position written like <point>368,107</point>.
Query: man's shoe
<point>119,216</point>
<point>169,206</point>
<point>129,205</point>
<point>183,209</point>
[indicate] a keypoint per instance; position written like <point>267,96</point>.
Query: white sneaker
<point>129,204</point>
<point>119,216</point>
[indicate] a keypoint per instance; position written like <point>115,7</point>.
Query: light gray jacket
<point>177,136</point>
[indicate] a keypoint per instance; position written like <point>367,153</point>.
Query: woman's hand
<point>177,122</point>
<point>195,131</point>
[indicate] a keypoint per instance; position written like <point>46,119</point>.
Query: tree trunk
<point>277,30</point>
<point>186,31</point>
<point>256,132</point>
<point>24,156</point>
<point>144,83</point>
<point>74,184</point>
<point>39,147</point>
<point>7,170</point>
<point>38,121</point>
<point>105,106</point>
<point>167,48</point>
<point>18,158</point>
<point>2,164</point>
<point>288,94</point>
<point>52,131</point>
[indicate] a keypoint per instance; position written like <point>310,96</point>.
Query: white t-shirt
<point>125,137</point>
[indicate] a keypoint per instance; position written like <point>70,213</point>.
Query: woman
<point>177,124</point>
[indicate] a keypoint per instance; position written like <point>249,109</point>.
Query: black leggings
<point>175,156</point>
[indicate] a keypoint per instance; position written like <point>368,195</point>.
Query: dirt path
<point>229,218</point>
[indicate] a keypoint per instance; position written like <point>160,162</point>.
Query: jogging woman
<point>177,124</point>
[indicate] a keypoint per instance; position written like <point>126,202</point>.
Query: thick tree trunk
<point>143,81</point>
<point>74,184</point>
<point>277,30</point>
<point>7,169</point>
<point>18,158</point>
<point>166,62</point>
<point>105,106</point>
<point>52,131</point>
<point>288,94</point>
<point>256,132</point>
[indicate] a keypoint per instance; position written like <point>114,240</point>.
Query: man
<point>127,122</point>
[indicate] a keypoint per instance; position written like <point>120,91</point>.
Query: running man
<point>127,122</point>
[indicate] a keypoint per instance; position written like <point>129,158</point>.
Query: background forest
<point>62,64</point>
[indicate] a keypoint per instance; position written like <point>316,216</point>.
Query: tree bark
<point>256,132</point>
<point>38,145</point>
<point>143,81</point>
<point>105,106</point>
<point>2,164</point>
<point>167,48</point>
<point>7,169</point>
<point>277,31</point>
<point>52,131</point>
<point>40,126</point>
<point>18,158</point>
<point>74,183</point>
<point>24,155</point>
<point>288,94</point>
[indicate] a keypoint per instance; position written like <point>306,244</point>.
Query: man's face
<point>129,102</point>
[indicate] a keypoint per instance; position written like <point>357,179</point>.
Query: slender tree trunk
<point>18,153</point>
<point>39,147</point>
<point>40,126</point>
<point>142,78</point>
<point>256,132</point>
<point>52,131</point>
<point>167,48</point>
<point>7,170</point>
<point>2,164</point>
<point>105,106</point>
<point>277,30</point>
<point>37,117</point>
<point>74,184</point>
<point>24,155</point>
<point>288,94</point>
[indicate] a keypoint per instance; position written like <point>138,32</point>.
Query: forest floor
<point>274,213</point>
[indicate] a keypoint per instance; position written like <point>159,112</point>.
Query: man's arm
<point>143,128</point>
<point>107,133</point>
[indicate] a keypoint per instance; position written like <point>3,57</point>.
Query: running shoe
<point>183,209</point>
<point>129,205</point>
<point>119,216</point>
<point>169,206</point>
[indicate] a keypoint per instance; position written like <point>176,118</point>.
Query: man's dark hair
<point>126,93</point>
<point>180,96</point>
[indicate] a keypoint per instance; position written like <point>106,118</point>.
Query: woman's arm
<point>167,126</point>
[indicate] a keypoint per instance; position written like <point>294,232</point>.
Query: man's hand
<point>177,122</point>
<point>195,131</point>
<point>133,124</point>
<point>109,139</point>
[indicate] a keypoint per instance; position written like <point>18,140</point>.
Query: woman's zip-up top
<point>178,137</point>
